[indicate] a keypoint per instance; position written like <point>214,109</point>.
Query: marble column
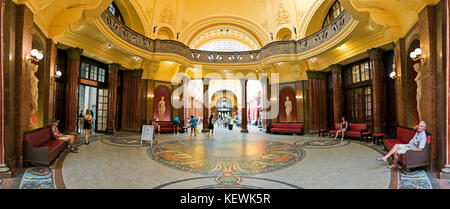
<point>113,79</point>
<point>4,170</point>
<point>23,78</point>
<point>206,82</point>
<point>73,66</point>
<point>244,104</point>
<point>337,92</point>
<point>265,99</point>
<point>445,172</point>
<point>317,87</point>
<point>376,63</point>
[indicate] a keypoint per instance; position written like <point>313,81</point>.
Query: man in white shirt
<point>417,143</point>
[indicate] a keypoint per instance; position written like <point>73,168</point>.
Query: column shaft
<point>376,62</point>
<point>317,100</point>
<point>113,79</point>
<point>205,104</point>
<point>445,172</point>
<point>337,92</point>
<point>244,105</point>
<point>73,66</point>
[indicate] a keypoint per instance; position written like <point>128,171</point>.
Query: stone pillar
<point>23,81</point>
<point>205,104</point>
<point>113,79</point>
<point>49,81</point>
<point>244,104</point>
<point>73,66</point>
<point>317,87</point>
<point>337,92</point>
<point>4,170</point>
<point>445,172</point>
<point>186,100</point>
<point>265,100</point>
<point>376,63</point>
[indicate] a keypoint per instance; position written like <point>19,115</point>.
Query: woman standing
<point>87,125</point>
<point>211,125</point>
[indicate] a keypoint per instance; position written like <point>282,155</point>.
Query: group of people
<point>193,122</point>
<point>417,143</point>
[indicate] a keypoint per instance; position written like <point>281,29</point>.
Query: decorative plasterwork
<point>282,16</point>
<point>387,13</point>
<point>56,19</point>
<point>167,15</point>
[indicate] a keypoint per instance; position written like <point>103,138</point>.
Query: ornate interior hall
<point>236,94</point>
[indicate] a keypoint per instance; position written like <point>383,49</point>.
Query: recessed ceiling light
<point>313,59</point>
<point>136,58</point>
<point>109,46</point>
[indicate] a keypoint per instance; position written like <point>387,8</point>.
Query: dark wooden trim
<point>2,86</point>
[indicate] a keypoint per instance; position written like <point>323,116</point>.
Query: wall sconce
<point>36,56</point>
<point>417,57</point>
<point>58,74</point>
<point>150,96</point>
<point>393,75</point>
<point>299,97</point>
<point>273,99</point>
<point>176,97</point>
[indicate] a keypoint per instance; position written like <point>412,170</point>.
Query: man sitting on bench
<point>417,143</point>
<point>59,136</point>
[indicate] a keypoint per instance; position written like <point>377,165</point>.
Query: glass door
<point>102,111</point>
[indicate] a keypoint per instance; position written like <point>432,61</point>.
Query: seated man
<point>417,143</point>
<point>156,126</point>
<point>176,124</point>
<point>57,135</point>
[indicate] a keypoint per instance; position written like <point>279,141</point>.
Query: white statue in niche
<point>161,108</point>
<point>288,106</point>
<point>418,80</point>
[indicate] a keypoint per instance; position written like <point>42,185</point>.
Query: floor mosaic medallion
<point>216,157</point>
<point>37,178</point>
<point>321,143</point>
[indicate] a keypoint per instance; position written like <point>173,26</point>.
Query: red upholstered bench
<point>354,130</point>
<point>410,159</point>
<point>167,126</point>
<point>40,147</point>
<point>286,128</point>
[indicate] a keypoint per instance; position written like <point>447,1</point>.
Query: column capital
<point>137,73</point>
<point>316,75</point>
<point>114,68</point>
<point>336,68</point>
<point>206,81</point>
<point>375,53</point>
<point>74,53</point>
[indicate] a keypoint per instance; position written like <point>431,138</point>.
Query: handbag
<point>196,131</point>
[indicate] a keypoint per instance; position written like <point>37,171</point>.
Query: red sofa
<point>286,128</point>
<point>167,126</point>
<point>354,130</point>
<point>410,159</point>
<point>40,147</point>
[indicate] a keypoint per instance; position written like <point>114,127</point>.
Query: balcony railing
<point>271,49</point>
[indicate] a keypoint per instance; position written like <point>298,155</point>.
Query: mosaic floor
<point>229,160</point>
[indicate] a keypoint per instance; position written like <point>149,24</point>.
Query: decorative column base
<point>445,172</point>
<point>244,130</point>
<point>4,172</point>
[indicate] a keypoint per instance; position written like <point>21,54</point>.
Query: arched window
<point>334,12</point>
<point>224,45</point>
<point>116,12</point>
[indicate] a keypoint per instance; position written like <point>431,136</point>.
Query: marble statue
<point>418,80</point>
<point>31,93</point>
<point>288,106</point>
<point>161,108</point>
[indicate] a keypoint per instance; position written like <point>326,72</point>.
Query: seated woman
<point>343,130</point>
<point>417,143</point>
<point>156,126</point>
